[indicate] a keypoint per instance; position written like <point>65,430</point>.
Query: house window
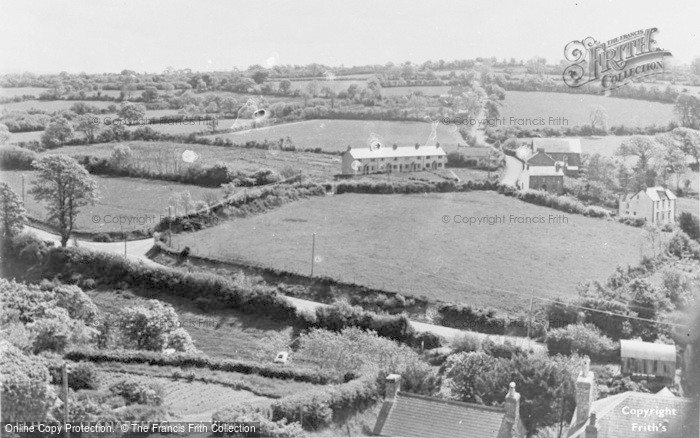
<point>396,158</point>
<point>657,216</point>
<point>662,216</point>
<point>428,157</point>
<point>628,205</point>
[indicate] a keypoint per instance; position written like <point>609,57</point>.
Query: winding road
<point>137,250</point>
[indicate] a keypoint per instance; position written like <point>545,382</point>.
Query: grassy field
<point>142,200</point>
<point>21,91</point>
<point>315,166</point>
<point>576,108</point>
<point>337,135</point>
<point>400,243</point>
<point>404,91</point>
<point>16,137</point>
<point>691,205</point>
<point>189,401</point>
<point>53,105</point>
<point>218,333</point>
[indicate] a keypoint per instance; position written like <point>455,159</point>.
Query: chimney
<point>393,385</point>
<point>512,405</point>
<point>349,147</point>
<point>592,429</point>
<point>540,150</point>
<point>395,146</point>
<point>584,392</point>
<point>417,145</point>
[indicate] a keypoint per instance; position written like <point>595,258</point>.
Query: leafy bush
<point>507,350</point>
<point>16,158</point>
<point>465,343</point>
<point>583,339</point>
<point>138,392</point>
<point>83,376</point>
<point>25,386</point>
<point>689,223</point>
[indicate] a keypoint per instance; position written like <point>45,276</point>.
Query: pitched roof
<point>616,417</point>
<point>541,159</point>
<point>401,151</point>
<point>647,350</point>
<point>413,415</point>
<point>559,145</point>
<point>659,193</point>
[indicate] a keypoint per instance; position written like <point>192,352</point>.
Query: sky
<point>95,36</point>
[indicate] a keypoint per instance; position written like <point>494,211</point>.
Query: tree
<point>260,76</point>
<point>87,124</point>
<point>149,94</point>
<point>599,117</point>
<point>132,113</point>
<point>645,149</point>
<point>4,134</point>
<point>57,132</point>
<point>12,211</point>
<point>493,111</point>
<point>689,140</point>
<point>66,186</point>
<point>687,109</point>
<point>147,327</point>
<point>545,383</point>
<point>673,158</point>
<point>689,223</point>
<point>312,88</point>
<point>285,87</point>
<point>695,66</point>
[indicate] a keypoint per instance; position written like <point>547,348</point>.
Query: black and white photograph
<point>352,218</point>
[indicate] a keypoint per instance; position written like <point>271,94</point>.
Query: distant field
<point>337,135</point>
<point>21,91</point>
<point>316,166</point>
<point>427,91</point>
<point>16,137</point>
<point>400,243</point>
<point>53,105</point>
<point>576,108</point>
<point>145,200</point>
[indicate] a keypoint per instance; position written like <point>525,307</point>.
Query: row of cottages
<point>545,162</point>
<point>630,414</point>
<point>655,204</point>
<point>363,161</point>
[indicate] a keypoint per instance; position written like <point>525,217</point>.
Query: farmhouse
<point>392,159</point>
<point>562,150</point>
<point>542,172</point>
<point>648,360</point>
<point>412,415</point>
<point>656,204</point>
<point>630,414</point>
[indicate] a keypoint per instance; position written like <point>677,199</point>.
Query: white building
<point>656,204</point>
<point>393,159</point>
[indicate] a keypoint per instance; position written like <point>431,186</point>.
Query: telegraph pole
<point>313,253</point>
<point>65,395</point>
<point>170,228</point>
<point>22,188</point>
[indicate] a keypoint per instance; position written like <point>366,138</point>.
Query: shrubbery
<point>16,158</point>
<point>289,372</point>
<point>582,339</point>
<point>562,203</point>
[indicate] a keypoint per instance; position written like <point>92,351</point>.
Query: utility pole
<point>313,253</point>
<point>22,188</point>
<point>170,228</point>
<point>65,395</point>
<point>529,320</point>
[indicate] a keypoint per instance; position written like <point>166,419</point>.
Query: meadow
<point>53,105</point>
<point>337,135</point>
<point>142,200</point>
<point>400,243</point>
<point>576,108</point>
<point>22,91</point>
<point>315,166</point>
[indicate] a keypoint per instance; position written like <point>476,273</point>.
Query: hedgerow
<point>288,372</point>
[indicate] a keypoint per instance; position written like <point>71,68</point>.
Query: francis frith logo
<point>615,62</point>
